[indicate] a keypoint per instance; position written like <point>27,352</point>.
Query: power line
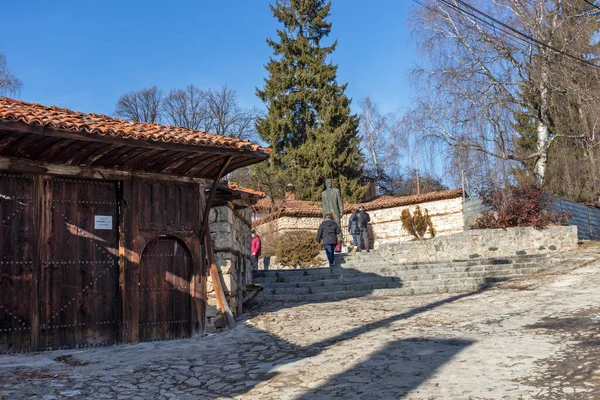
<point>592,4</point>
<point>517,32</point>
<point>503,27</point>
<point>487,23</point>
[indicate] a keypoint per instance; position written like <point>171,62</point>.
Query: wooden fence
<point>587,219</point>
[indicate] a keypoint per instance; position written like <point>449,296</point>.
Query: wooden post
<point>215,272</point>
<point>36,270</point>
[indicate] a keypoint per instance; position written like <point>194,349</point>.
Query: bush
<point>517,206</point>
<point>297,249</point>
<point>268,244</point>
<point>417,224</point>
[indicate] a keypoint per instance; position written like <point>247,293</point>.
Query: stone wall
<point>446,216</point>
<point>230,231</point>
<point>484,243</point>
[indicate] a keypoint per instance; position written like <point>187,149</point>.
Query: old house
<point>444,207</point>
<point>104,226</point>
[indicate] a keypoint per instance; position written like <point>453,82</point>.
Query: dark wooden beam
<point>211,196</point>
<point>38,167</point>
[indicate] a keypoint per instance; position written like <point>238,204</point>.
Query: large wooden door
<point>17,255</point>
<point>79,264</point>
<point>164,286</point>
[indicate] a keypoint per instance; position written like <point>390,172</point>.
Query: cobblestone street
<point>532,338</point>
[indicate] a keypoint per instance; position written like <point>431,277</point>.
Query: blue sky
<point>83,54</point>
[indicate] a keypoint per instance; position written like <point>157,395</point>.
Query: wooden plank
<point>172,158</point>
<point>128,262</point>
<point>136,242</point>
<point>158,198</point>
<point>87,266</point>
<point>39,205</point>
<point>86,152</point>
<point>17,249</point>
<point>15,165</point>
<point>66,154</point>
<point>70,280</point>
<point>217,279</point>
<point>134,158</point>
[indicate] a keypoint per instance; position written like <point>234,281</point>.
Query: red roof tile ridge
<point>76,121</point>
<point>313,209</point>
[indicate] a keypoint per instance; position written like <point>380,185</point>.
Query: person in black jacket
<point>328,234</point>
<point>354,231</point>
<point>361,220</point>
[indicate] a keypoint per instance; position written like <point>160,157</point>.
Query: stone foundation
<point>483,244</point>
<point>230,231</point>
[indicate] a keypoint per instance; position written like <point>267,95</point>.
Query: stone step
<point>368,266</point>
<point>332,296</point>
<point>432,284</point>
<point>448,287</point>
<point>398,278</point>
<point>487,261</point>
<point>392,271</point>
<point>425,272</point>
<point>469,274</point>
<point>327,282</point>
<point>286,298</point>
<point>329,289</point>
<point>298,272</point>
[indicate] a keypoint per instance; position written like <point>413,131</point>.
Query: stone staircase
<point>362,274</point>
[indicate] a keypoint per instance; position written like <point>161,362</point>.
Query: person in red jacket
<point>255,249</point>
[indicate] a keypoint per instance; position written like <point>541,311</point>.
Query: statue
<point>332,202</point>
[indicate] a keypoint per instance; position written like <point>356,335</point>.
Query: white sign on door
<point>103,222</point>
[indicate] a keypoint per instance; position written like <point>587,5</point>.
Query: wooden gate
<point>164,300</point>
<point>17,256</point>
<point>58,263</point>
<point>79,268</point>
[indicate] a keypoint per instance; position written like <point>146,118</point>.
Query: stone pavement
<point>533,338</point>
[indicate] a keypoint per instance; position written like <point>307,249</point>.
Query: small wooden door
<point>164,286</point>
<point>79,264</point>
<point>17,257</point>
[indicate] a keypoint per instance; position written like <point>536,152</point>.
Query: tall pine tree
<point>309,125</point>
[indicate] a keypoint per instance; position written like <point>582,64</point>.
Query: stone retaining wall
<point>230,232</point>
<point>484,243</point>
<point>386,226</point>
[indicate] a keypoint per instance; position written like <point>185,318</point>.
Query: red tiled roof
<point>300,208</point>
<point>236,188</point>
<point>63,119</point>
<point>393,201</point>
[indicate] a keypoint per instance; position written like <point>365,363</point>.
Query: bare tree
<point>479,75</point>
<point>10,85</point>
<point>187,108</point>
<point>227,117</point>
<point>142,105</point>
<point>211,111</point>
<point>381,141</point>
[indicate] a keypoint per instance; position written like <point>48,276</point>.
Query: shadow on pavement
<point>392,372</point>
<point>233,365</point>
<point>407,362</point>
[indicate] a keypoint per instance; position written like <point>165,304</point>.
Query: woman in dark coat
<point>328,234</point>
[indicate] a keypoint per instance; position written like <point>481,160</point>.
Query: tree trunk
<point>543,132</point>
<point>376,168</point>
